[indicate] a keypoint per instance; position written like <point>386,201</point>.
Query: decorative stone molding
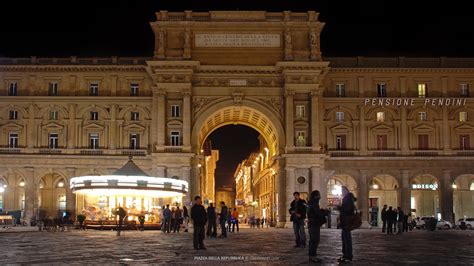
<point>200,102</point>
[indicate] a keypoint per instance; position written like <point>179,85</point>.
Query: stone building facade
<point>381,126</point>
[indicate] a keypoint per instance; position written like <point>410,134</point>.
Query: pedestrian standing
<point>186,218</point>
<point>235,220</point>
<point>167,215</point>
<point>199,217</point>
<point>298,215</point>
<point>316,218</point>
<point>384,218</point>
<point>223,219</point>
<point>211,221</point>
<point>390,220</point>
<point>346,209</point>
<point>179,218</point>
<point>400,219</point>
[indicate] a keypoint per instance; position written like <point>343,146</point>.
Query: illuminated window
<point>54,115</point>
<point>62,202</point>
<point>472,186</point>
<point>300,111</point>
<point>13,140</point>
<point>53,89</point>
<point>413,203</point>
<point>380,117</point>
<point>175,138</point>
<point>341,90</point>
<point>423,116</point>
<point>175,111</point>
<point>12,89</point>
<point>134,87</point>
<point>381,90</point>
<point>13,115</point>
<point>464,89</point>
<point>53,140</point>
<point>135,116</point>
<point>94,89</point>
<point>462,116</point>
<point>422,90</point>
<point>339,116</point>
<point>300,139</point>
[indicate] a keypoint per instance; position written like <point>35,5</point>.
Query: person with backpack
<point>346,209</point>
<point>316,218</point>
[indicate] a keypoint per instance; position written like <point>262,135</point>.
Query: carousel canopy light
<point>337,191</point>
<point>2,189</point>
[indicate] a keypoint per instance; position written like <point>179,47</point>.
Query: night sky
<point>121,28</point>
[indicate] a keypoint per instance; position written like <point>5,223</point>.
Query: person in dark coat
<point>390,220</point>
<point>298,215</point>
<point>211,221</point>
<point>199,217</point>
<point>384,218</point>
<point>316,218</point>
<point>400,219</point>
<point>346,209</point>
<point>223,219</point>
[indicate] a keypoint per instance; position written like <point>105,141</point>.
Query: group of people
<point>228,220</point>
<point>256,222</point>
<point>172,219</point>
<point>300,210</point>
<point>395,220</point>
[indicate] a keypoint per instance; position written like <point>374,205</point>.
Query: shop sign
<point>425,186</point>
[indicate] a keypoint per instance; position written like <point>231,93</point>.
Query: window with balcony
<point>464,142</point>
<point>422,90</point>
<point>12,89</point>
<point>94,89</point>
<point>341,90</point>
<point>340,142</point>
<point>93,141</point>
<point>13,115</point>
<point>339,116</point>
<point>380,116</point>
<point>13,140</point>
<point>463,117</point>
<point>54,115</point>
<point>300,111</point>
<point>134,87</point>
<point>135,116</point>
<point>53,140</point>
<point>381,90</point>
<point>300,139</point>
<point>423,143</point>
<point>175,111</point>
<point>134,141</point>
<point>94,115</point>
<point>381,142</point>
<point>175,138</point>
<point>53,89</point>
<point>423,116</point>
<point>464,89</point>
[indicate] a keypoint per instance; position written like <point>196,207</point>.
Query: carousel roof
<point>130,168</point>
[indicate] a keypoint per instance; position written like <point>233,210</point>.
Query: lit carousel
<point>98,196</point>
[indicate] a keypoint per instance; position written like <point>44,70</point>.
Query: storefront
<point>130,188</point>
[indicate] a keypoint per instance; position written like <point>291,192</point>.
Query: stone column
<point>446,140</point>
<point>31,137</point>
<point>71,197</point>
<point>446,196</point>
<point>186,176</point>
<point>154,119</point>
<point>290,189</point>
<point>405,192</point>
<point>71,127</point>
<point>30,194</point>
<point>315,120</point>
<point>195,178</point>
<point>187,118</point>
<point>161,119</point>
<point>404,131</point>
<point>363,200</point>
<point>282,194</point>
<point>290,140</point>
<point>113,127</point>
<point>363,131</point>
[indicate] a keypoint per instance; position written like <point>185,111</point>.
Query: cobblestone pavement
<point>255,246</point>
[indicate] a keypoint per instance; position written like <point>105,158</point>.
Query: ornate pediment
<point>95,126</point>
<point>12,127</point>
<point>134,126</point>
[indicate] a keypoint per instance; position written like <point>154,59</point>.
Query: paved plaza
<point>257,246</point>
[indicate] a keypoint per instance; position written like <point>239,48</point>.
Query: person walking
<point>235,220</point>
<point>400,219</point>
<point>211,221</point>
<point>298,215</point>
<point>186,218</point>
<point>316,218</point>
<point>390,220</point>
<point>199,217</point>
<point>346,209</point>
<point>384,218</point>
<point>178,219</point>
<point>167,215</point>
<point>223,219</point>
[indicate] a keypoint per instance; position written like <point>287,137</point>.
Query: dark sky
<point>235,143</point>
<point>121,27</point>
